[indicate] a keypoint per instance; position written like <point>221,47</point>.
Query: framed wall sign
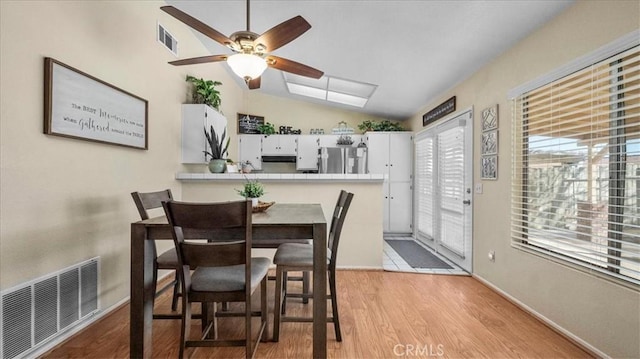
<point>248,124</point>
<point>78,105</point>
<point>439,112</point>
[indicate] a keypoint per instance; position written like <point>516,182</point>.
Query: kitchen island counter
<point>361,243</point>
<point>266,177</point>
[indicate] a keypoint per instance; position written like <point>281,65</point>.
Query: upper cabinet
<point>195,118</point>
<point>391,153</point>
<point>279,145</point>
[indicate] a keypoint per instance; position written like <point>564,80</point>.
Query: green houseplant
<point>217,150</point>
<point>385,125</point>
<point>253,190</point>
<point>266,129</point>
<point>205,91</point>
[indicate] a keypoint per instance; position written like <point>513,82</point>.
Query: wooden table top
<point>279,213</point>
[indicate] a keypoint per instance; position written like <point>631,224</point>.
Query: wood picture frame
<point>80,106</point>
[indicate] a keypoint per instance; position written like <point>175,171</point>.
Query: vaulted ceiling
<point>411,50</point>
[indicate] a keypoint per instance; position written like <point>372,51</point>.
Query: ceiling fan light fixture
<point>247,66</point>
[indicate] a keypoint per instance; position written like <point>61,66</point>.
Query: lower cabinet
<point>397,207</point>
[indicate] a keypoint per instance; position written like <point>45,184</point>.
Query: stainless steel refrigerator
<point>342,160</point>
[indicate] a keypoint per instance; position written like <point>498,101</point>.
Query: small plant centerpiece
<point>253,190</point>
<point>217,150</point>
<point>205,92</point>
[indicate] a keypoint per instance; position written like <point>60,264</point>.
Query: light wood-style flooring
<point>383,315</point>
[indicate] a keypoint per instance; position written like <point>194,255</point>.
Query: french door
<point>444,178</point>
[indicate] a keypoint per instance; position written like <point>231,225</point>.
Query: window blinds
<point>576,167</point>
<point>451,178</point>
<point>425,186</point>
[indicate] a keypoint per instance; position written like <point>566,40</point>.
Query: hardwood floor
<point>382,314</point>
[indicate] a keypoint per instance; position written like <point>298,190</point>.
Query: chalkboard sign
<point>78,105</point>
<point>248,124</point>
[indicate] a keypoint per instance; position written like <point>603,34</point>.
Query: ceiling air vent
<point>166,39</point>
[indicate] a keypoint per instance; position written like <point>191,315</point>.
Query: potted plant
<point>266,129</point>
<point>205,92</point>
<point>253,190</point>
<point>385,125</point>
<point>217,150</point>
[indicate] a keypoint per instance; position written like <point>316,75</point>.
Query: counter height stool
<point>224,269</point>
<point>168,259</point>
<point>299,257</point>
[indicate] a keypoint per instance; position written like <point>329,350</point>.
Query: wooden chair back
<point>226,226</point>
<point>337,221</point>
<point>150,200</point>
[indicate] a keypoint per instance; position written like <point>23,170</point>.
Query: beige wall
<point>603,314</point>
<point>65,200</point>
<point>361,241</point>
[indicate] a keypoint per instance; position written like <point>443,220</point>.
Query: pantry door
<point>444,178</point>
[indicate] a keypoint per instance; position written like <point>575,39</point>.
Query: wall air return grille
<point>38,311</point>
<point>166,39</point>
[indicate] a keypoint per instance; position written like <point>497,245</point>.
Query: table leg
<point>142,293</point>
<point>320,290</point>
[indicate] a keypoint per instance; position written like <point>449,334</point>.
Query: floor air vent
<point>36,312</point>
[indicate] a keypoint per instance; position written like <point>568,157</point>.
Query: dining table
<point>282,221</point>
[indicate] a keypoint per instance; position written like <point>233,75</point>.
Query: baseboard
<point>362,268</point>
<point>544,320</point>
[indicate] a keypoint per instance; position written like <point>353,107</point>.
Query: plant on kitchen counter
<point>205,91</point>
<point>266,129</point>
<point>218,148</point>
<point>385,125</point>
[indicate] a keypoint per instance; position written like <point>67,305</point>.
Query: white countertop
<point>303,177</point>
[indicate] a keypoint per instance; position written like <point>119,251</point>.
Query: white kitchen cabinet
<point>328,140</point>
<point>391,154</point>
<point>279,145</point>
<point>308,146</point>
<point>250,149</point>
<point>195,118</point>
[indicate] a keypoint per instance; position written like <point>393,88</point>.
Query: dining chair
<point>224,269</point>
<point>299,257</point>
<point>168,260</point>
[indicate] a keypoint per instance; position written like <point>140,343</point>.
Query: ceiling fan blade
<point>283,33</point>
<point>199,60</point>
<point>197,25</point>
<point>254,84</point>
<point>293,67</point>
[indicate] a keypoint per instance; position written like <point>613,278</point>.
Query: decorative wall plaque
<point>78,105</point>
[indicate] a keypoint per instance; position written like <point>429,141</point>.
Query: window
<point>576,165</point>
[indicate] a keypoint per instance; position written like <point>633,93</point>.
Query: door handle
<point>467,202</point>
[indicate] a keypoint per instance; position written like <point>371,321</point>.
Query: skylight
<point>331,89</point>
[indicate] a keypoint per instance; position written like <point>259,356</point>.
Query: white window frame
<point>518,240</point>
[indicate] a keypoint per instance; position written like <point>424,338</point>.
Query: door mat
<point>417,256</point>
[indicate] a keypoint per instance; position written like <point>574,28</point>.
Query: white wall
<point>603,314</point>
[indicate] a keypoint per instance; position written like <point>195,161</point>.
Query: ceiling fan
<point>252,51</point>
